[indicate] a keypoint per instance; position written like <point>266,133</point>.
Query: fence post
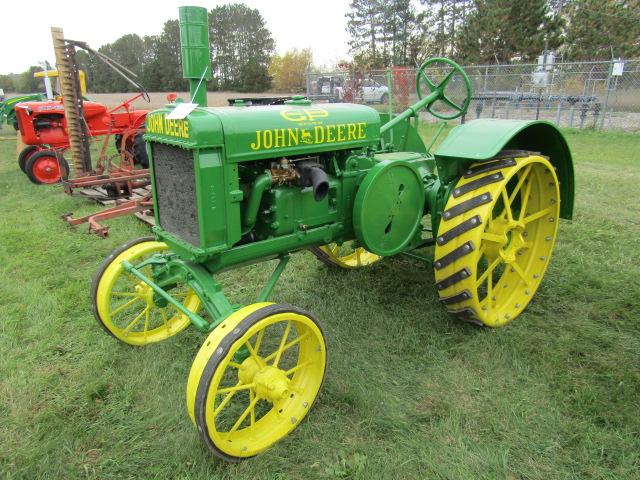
<point>606,96</point>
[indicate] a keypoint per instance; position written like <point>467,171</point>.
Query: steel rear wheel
<point>346,255</point>
<point>255,378</point>
<point>127,308</point>
<point>496,237</point>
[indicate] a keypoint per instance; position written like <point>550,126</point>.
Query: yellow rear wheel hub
<point>496,236</point>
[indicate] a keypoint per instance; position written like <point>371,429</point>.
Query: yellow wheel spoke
<point>249,409</point>
<point>492,237</point>
<point>518,269</point>
<point>234,365</point>
<point>252,418</point>
<point>358,259</point>
<point>334,250</point>
<point>283,341</point>
<point>521,181</point>
<point>136,320</point>
<point>235,388</point>
<point>297,367</point>
<point>537,215</point>
<point>488,271</point>
<point>293,342</point>
<point>164,319</point>
<point>223,404</point>
<point>253,353</point>
<point>507,204</point>
<point>146,322</point>
<point>124,305</point>
<point>123,294</point>
<point>259,341</point>
<point>525,199</point>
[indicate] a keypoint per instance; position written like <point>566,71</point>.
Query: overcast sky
<point>317,24</point>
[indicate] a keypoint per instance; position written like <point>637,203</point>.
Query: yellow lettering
<point>361,133</point>
<point>314,113</point>
<point>279,137</point>
<point>330,133</point>
<point>351,131</point>
<point>293,115</point>
<point>319,134</point>
<point>341,128</point>
<point>256,145</point>
<point>267,139</point>
<point>293,137</point>
<point>186,129</point>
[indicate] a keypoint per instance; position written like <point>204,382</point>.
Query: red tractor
<point>44,131</point>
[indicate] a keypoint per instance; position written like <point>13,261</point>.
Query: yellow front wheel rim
<point>127,308</point>
<point>241,406</point>
<point>495,240</point>
<point>345,255</point>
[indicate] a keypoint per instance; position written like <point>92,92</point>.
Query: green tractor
<point>240,185</point>
<point>7,107</point>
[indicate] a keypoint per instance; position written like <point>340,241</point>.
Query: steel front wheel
<point>127,308</point>
<point>255,378</point>
<point>345,255</point>
<point>495,240</point>
<point>46,167</point>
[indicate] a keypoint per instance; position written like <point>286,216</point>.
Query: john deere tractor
<point>240,185</point>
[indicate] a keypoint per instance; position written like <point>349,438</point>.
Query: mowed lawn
<point>411,393</point>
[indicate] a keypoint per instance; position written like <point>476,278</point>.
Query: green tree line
<point>241,48</point>
<point>406,32</point>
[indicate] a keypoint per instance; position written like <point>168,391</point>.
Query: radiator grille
<point>175,190</point>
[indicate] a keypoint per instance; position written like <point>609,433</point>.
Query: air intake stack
<point>196,57</point>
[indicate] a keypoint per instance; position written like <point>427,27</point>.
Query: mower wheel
<point>140,151</point>
<point>125,307</point>
<point>496,236</point>
<point>345,255</point>
<point>24,155</point>
<point>255,378</point>
<point>46,167</point>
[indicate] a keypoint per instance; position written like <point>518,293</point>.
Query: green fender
<point>483,139</point>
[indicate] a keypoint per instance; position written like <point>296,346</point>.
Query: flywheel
<point>496,236</point>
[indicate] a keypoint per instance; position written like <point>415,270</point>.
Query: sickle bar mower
<point>235,186</point>
<point>50,128</point>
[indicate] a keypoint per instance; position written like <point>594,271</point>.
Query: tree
<point>381,32</point>
<point>442,21</point>
<point>288,71</point>
<point>28,84</point>
<point>6,83</point>
<point>600,28</point>
<point>241,47</point>
<point>503,31</point>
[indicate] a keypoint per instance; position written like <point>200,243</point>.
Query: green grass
<point>410,392</point>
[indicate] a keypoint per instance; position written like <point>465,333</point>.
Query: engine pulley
<point>388,207</point>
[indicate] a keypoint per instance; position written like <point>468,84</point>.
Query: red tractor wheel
<point>46,167</point>
<point>25,155</point>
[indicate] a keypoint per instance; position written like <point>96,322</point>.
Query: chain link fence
<point>596,95</point>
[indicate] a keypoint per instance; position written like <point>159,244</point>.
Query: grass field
<point>410,394</point>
